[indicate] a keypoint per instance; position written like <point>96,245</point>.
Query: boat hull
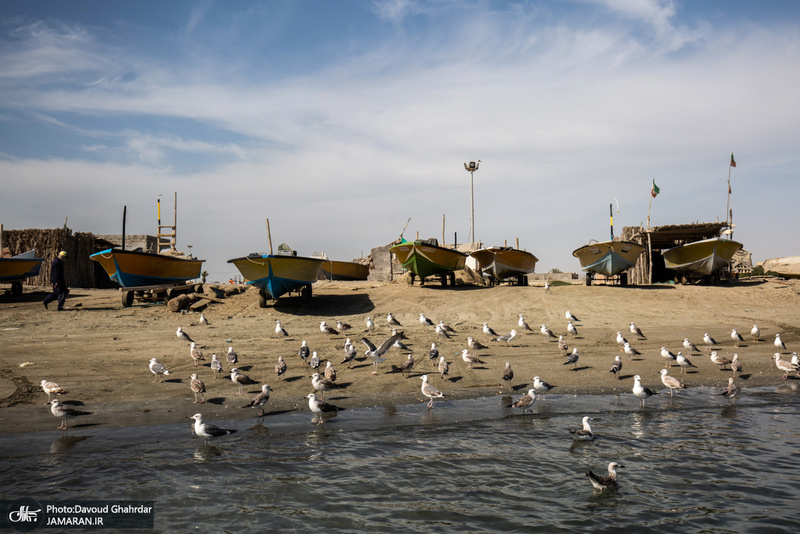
<point>344,270</point>
<point>608,258</point>
<point>787,267</point>
<point>20,267</point>
<point>704,257</point>
<point>130,269</point>
<point>501,263</point>
<point>424,259</point>
<point>277,274</point>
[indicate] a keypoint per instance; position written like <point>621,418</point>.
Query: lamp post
<point>472,166</point>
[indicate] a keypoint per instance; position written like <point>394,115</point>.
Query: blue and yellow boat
<point>17,268</point>
<point>277,274</point>
<point>133,269</point>
<point>608,258</point>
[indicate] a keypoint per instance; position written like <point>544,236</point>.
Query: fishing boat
<point>426,258</point>
<point>16,269</point>
<point>608,258</point>
<point>343,270</point>
<point>787,267</point>
<point>502,263</point>
<point>277,274</point>
<point>135,269</point>
<point>701,258</point>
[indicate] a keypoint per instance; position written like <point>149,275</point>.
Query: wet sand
<point>99,351</point>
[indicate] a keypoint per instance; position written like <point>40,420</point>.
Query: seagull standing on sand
<point>376,353</point>
<point>203,320</point>
<point>231,357</point>
<point>780,345</point>
<point>314,361</point>
<point>195,353</point>
<point>469,359</point>
<point>689,346</point>
<point>207,430</point>
<point>241,380</point>
<point>668,356</point>
<point>720,360</point>
<point>572,359</point>
<point>183,336</point>
<point>429,391</point>
<point>781,364</point>
<point>736,365</point>
<point>330,372</point>
<point>637,333</point>
<point>736,337</point>
<point>343,327</point>
<point>407,365</point>
<point>325,329</point>
<point>684,362</point>
<point>64,413</point>
<point>445,327</point>
<point>562,345</point>
<point>507,337</point>
<point>616,367</point>
<point>671,382</point>
<point>609,482</point>
<point>259,400</point>
<point>541,387</point>
<point>280,367</point>
<point>304,351</point>
<point>321,384</point>
<point>392,321</point>
<point>434,353</point>
<point>523,326</point>
<point>216,365</point>
<point>508,375</point>
<point>51,388</point>
<point>444,368</point>
<point>488,332</point>
<point>158,370</point>
<point>473,344</point>
<point>319,408</point>
<point>571,330</point>
<point>547,333</point>
<point>755,332</point>
<point>630,351</point>
<point>571,317</point>
<point>349,353</point>
<point>198,387</point>
<point>641,391</point>
<point>585,433</point>
<point>441,332</point>
<point>525,402</point>
<point>621,339</point>
<point>279,330</point>
<point>370,324</point>
<point>731,390</point>
<point>709,341</point>
<point>425,322</point>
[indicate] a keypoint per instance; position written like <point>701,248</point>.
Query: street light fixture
<point>472,166</point>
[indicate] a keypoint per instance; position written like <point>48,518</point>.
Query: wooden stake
<point>269,236</point>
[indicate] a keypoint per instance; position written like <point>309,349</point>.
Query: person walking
<point>59,284</point>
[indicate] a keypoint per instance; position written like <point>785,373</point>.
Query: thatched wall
<point>79,270</point>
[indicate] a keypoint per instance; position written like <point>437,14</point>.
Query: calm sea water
<point>694,463</point>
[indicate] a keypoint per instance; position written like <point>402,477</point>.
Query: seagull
<point>203,320</point>
<point>571,317</point>
<point>571,330</point>
<point>429,391</point>
<point>616,367</point>
<point>795,360</point>
<point>736,337</point>
<point>407,365</point>
<point>198,387</point>
<point>782,365</point>
<point>608,482</point>
<point>547,333</point>
<point>684,362</point>
<point>195,353</point>
<point>376,353</point>
<point>444,368</point>
<point>391,320</point>
<point>630,351</point>
<point>314,361</point>
<point>637,333</point>
<point>399,345</point>
<point>64,413</point>
<point>508,375</point>
<point>321,384</point>
<point>445,327</point>
<point>523,325</point>
<point>231,357</point>
<point>780,345</point>
<point>506,338</point>
<point>304,351</point>
<point>370,324</point>
<point>474,344</point>
<point>689,346</point>
<point>469,359</point>
<point>546,286</point>
<point>755,332</point>
<point>441,332</point>
<point>541,386</point>
<point>668,356</point>
<point>279,330</point>
<point>280,366</point>
<point>671,382</point>
<point>720,360</point>
<point>216,365</point>
<point>641,391</point>
<point>349,353</point>
<point>207,430</point>
<point>584,434</point>
<point>402,334</point>
<point>343,327</point>
<point>621,339</point>
<point>241,380</point>
<point>736,365</point>
<point>731,390</point>
<point>562,345</point>
<point>319,407</point>
<point>488,332</point>
<point>325,329</point>
<point>434,353</point>
<point>525,402</point>
<point>183,336</point>
<point>572,359</point>
<point>51,388</point>
<point>709,341</point>
<point>424,321</point>
<point>259,400</point>
<point>158,370</point>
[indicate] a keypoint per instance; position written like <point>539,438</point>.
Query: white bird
<point>391,320</point>
<point>523,325</point>
<point>325,329</point>
<point>689,346</point>
<point>425,322</point>
<point>304,351</point>
<point>195,353</point>
<point>508,375</point>
<point>376,353</point>
<point>51,388</point>
<point>216,365</point>
<point>241,380</point>
<point>547,333</point>
<point>349,353</point>
<point>314,361</point>
<point>736,337</point>
<point>641,391</point>
<point>616,367</point>
<point>441,332</point>
<point>469,359</point>
<point>370,324</point>
<point>429,391</point>
<point>541,386</point>
<point>621,339</point>
<point>781,364</point>
<point>630,351</point>
<point>585,433</point>
<point>525,402</point>
<point>755,332</point>
<point>684,362</point>
<point>780,345</point>
<point>571,330</point>
<point>280,366</point>
<point>158,370</point>
<point>571,317</point>
<point>207,430</point>
<point>736,365</point>
<point>637,333</point>
<point>668,356</point>
<point>64,413</point>
<point>279,330</point>
<point>203,320</point>
<point>183,336</point>
<point>608,482</point>
<point>321,384</point>
<point>259,400</point>
<point>546,286</point>
<point>572,359</point>
<point>731,390</point>
<point>488,332</point>
<point>445,327</point>
<point>343,327</point>
<point>444,368</point>
<point>720,360</point>
<point>198,387</point>
<point>671,382</point>
<point>709,341</point>
<point>474,344</point>
<point>506,338</point>
<point>231,357</point>
<point>319,408</point>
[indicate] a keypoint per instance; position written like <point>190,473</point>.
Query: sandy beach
<point>99,351</point>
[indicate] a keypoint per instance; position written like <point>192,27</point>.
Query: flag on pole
<point>655,190</point>
<point>733,162</point>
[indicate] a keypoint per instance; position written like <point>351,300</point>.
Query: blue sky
<point>339,120</point>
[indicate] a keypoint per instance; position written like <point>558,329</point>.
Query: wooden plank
<point>200,303</point>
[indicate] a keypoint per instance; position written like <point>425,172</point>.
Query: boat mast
<point>729,210</point>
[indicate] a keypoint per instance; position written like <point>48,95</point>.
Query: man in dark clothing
<point>59,284</point>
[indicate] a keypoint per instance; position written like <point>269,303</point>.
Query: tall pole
<point>611,217</point>
<point>472,166</point>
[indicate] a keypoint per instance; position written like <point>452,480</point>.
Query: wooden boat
<point>787,267</point>
<point>277,274</point>
<point>501,263</point>
<point>17,268</point>
<point>608,258</point>
<point>132,269</point>
<point>703,258</point>
<point>426,258</point>
<point>343,270</point>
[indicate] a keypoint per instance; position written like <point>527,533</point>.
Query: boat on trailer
<point>277,274</point>
<point>704,258</point>
<point>16,269</point>
<point>425,258</point>
<point>504,263</point>
<point>608,258</point>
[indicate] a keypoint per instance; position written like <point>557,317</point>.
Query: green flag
<point>655,190</point>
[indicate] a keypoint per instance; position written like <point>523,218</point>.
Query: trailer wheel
<point>262,298</point>
<point>623,279</point>
<point>127,299</point>
<point>16,288</point>
<point>588,279</point>
<point>305,294</point>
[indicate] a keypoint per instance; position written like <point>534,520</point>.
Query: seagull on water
<point>671,382</point>
<point>709,341</point>
<point>319,408</point>
<point>469,359</point>
<point>279,330</point>
<point>547,333</point>
<point>376,353</point>
<point>280,366</point>
<point>198,387</point>
<point>51,388</point>
<point>731,390</point>
<point>684,362</point>
<point>608,482</point>
<point>506,338</point>
<point>183,336</point>
<point>259,400</point>
<point>158,370</point>
<point>508,375</point>
<point>325,329</point>
<point>585,433</point>
<point>195,353</point>
<point>572,359</point>
<point>720,360</point>
<point>443,367</point>
<point>641,391</point>
<point>616,367</point>
<point>637,333</point>
<point>755,332</point>
<point>488,332</point>
<point>525,402</point>
<point>630,351</point>
<point>523,325</point>
<point>64,413</point>
<point>207,430</point>
<point>541,386</point>
<point>349,353</point>
<point>736,337</point>
<point>231,357</point>
<point>780,345</point>
<point>304,351</point>
<point>689,346</point>
<point>668,356</point>
<point>216,365</point>
<point>429,391</point>
<point>241,380</point>
<point>571,317</point>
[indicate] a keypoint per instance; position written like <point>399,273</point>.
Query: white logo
<point>24,514</point>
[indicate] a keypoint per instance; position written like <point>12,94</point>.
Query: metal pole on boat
<point>269,236</point>
<point>611,216</point>
<point>124,216</point>
<point>472,166</point>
